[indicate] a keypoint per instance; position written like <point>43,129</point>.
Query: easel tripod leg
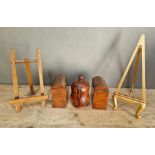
<point>18,107</point>
<point>29,76</point>
<point>15,80</point>
<point>115,102</point>
<point>40,76</point>
<point>43,104</point>
<point>135,70</point>
<point>139,110</point>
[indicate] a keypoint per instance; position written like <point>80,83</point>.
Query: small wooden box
<point>100,94</point>
<point>59,92</point>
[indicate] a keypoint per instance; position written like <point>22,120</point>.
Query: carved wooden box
<point>59,92</point>
<point>100,93</point>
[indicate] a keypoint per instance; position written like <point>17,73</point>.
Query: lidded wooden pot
<point>80,92</point>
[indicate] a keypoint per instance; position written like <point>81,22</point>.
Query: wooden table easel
<point>17,101</point>
<point>139,50</point>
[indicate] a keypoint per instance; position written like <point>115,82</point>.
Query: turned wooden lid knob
<point>81,77</point>
<point>80,82</point>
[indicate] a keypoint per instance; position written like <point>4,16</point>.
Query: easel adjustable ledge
<point>139,50</point>
<point>17,100</point>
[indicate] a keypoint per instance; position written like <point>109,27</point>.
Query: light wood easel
<point>139,50</point>
<point>17,101</point>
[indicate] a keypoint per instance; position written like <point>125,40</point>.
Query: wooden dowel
<point>40,72</point>
<point>14,74</point>
<point>129,98</point>
<point>29,61</point>
<point>29,99</point>
<point>29,76</point>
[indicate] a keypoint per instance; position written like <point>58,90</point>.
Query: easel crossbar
<point>129,98</point>
<point>29,99</point>
<point>27,61</point>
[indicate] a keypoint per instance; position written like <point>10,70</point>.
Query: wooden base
<point>17,102</point>
<point>29,99</point>
<point>129,100</point>
<point>70,117</point>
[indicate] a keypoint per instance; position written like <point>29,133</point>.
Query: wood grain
<point>18,101</point>
<point>29,75</point>
<point>59,92</point>
<point>100,93</point>
<point>29,99</point>
<point>40,71</point>
<point>32,115</point>
<point>14,74</point>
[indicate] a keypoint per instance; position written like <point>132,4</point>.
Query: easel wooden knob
<point>17,101</point>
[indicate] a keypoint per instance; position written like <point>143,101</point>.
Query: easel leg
<point>115,102</point>
<point>14,77</point>
<point>143,75</point>
<point>18,107</point>
<point>140,109</point>
<point>127,70</point>
<point>135,70</point>
<point>142,106</point>
<point>43,103</point>
<point>29,76</point>
<point>40,75</point>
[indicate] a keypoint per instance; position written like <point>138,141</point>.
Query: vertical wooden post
<point>29,75</point>
<point>40,75</point>
<point>15,80</point>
